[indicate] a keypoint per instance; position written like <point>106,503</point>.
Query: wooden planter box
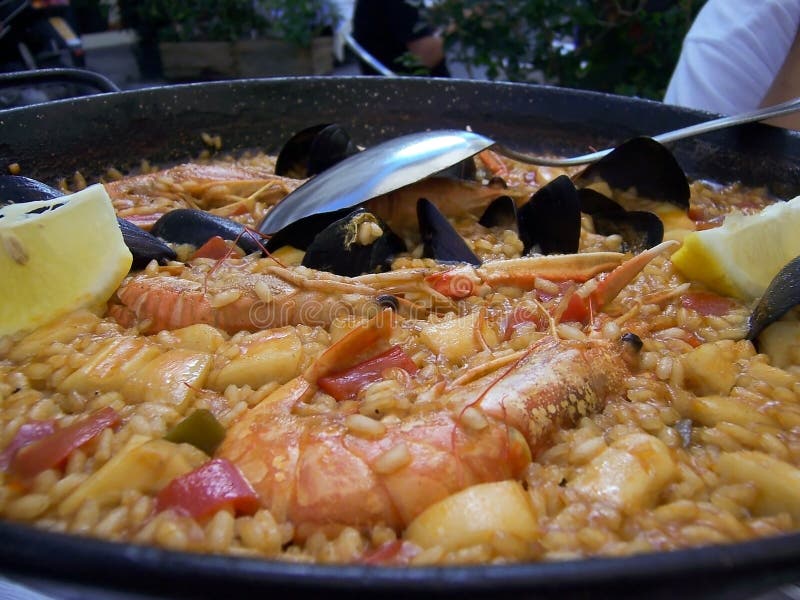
<point>182,61</point>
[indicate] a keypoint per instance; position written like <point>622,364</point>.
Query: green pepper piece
<point>200,429</point>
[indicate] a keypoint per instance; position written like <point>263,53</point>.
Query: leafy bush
<point>621,46</point>
<point>297,21</point>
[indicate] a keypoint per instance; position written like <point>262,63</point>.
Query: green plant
<point>231,20</point>
<point>621,46</point>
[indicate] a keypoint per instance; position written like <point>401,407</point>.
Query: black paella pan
<point>165,124</point>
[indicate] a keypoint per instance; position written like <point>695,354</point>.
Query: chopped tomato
<point>346,384</point>
<point>53,450</point>
<point>707,304</point>
<point>396,553</point>
<point>26,435</point>
<point>217,249</point>
<point>211,487</point>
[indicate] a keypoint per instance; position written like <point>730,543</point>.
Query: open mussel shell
<point>501,212</point>
<point>593,202</point>
<point>643,164</point>
<point>782,294</point>
<point>551,219</point>
<point>639,229</point>
<point>314,149</point>
<point>356,244</point>
<point>196,227</point>
<point>143,246</point>
<point>440,240</point>
<point>15,189</point>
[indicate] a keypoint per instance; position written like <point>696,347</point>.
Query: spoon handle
<point>777,110</point>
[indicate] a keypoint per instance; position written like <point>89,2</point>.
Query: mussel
<point>638,229</point>
<point>782,294</point>
<point>143,246</point>
<point>196,227</point>
<point>549,222</point>
<point>551,219</point>
<point>314,149</point>
<point>357,243</point>
<point>643,164</point>
<point>440,240</point>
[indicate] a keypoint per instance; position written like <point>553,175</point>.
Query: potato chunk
<point>274,355</point>
<point>143,465</point>
<point>777,482</point>
<point>200,337</point>
<point>458,338</point>
<point>711,368</point>
<point>629,474</point>
<point>710,410</point>
<point>473,516</point>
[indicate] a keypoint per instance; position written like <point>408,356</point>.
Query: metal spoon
<point>404,160</point>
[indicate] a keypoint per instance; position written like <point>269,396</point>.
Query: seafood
<point>251,294</point>
<point>321,472</point>
<point>221,189</point>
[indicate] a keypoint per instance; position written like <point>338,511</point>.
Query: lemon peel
<point>58,255</point>
<point>744,254</point>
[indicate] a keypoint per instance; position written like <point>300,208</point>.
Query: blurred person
<point>740,55</point>
<point>393,31</point>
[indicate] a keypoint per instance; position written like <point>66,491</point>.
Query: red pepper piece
<point>26,435</point>
<point>52,451</point>
<point>346,384</point>
<point>707,304</point>
<point>211,487</point>
<point>216,248</point>
<point>577,310</point>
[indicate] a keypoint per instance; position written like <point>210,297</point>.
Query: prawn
<point>258,293</point>
<point>222,189</point>
<point>321,472</point>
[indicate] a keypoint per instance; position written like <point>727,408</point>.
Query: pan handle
<point>79,76</point>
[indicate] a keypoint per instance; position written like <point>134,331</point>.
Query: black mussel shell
<point>782,294</point>
<point>639,230</point>
<point>337,248</point>
<point>502,212</point>
<point>551,219</point>
<point>302,232</point>
<point>593,202</point>
<point>439,239</point>
<point>15,189</point>
<point>313,150</point>
<point>644,164</point>
<point>143,245</point>
<point>196,227</point>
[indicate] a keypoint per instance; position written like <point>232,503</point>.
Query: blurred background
<point>628,47</point>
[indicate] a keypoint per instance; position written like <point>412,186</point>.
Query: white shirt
<point>732,53</point>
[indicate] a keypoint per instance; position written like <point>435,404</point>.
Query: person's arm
<point>786,86</point>
<point>429,50</point>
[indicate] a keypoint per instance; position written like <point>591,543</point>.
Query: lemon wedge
<point>744,254</point>
<point>58,255</point>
